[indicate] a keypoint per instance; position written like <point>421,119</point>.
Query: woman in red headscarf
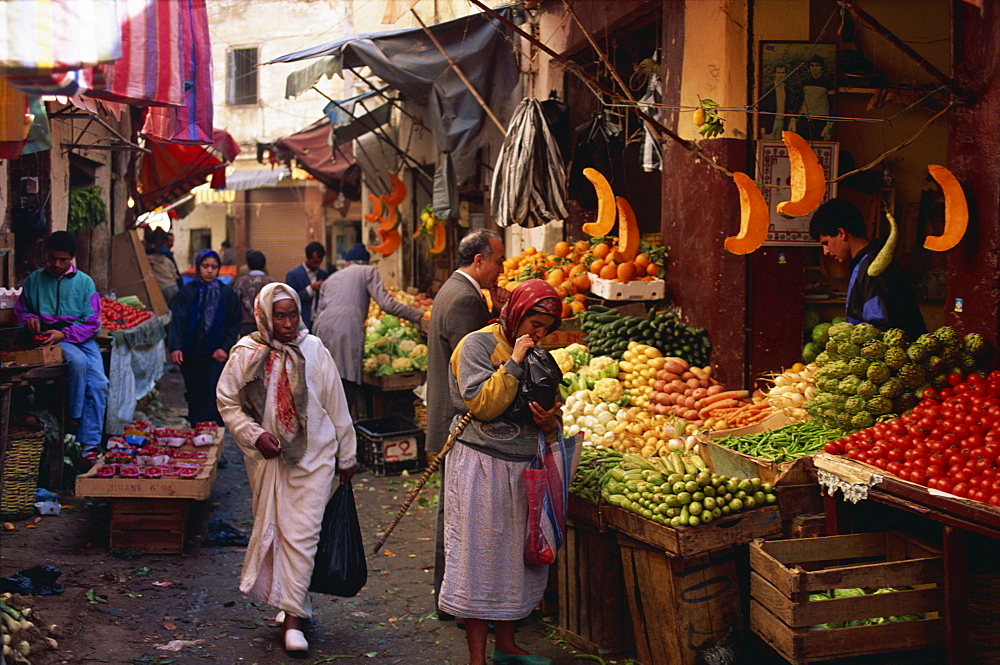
<point>485,509</point>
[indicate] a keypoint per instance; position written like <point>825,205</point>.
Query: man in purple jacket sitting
<point>59,305</point>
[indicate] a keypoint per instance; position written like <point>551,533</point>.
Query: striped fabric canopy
<point>45,36</point>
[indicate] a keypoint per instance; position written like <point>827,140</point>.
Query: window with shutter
<point>241,79</point>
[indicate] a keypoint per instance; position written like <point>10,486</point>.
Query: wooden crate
<point>406,381</point>
<point>782,614</point>
<point>738,529</point>
<point>681,607</point>
<point>199,487</point>
<point>43,355</point>
<point>593,606</point>
<point>154,526</point>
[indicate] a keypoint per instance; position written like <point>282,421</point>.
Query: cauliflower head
<point>371,365</point>
<point>383,359</point>
<point>564,360</point>
<point>418,350</point>
<point>402,365</point>
<point>609,390</point>
<point>406,346</point>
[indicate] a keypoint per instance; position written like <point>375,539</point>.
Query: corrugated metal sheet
<point>277,224</point>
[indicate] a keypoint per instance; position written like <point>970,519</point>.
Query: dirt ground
<point>122,607</point>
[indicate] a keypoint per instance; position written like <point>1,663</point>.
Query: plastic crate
<point>391,445</point>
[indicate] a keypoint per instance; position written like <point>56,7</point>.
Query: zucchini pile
<point>608,334</point>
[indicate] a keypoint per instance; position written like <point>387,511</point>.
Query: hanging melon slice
<point>605,204</point>
<point>956,211</point>
<point>440,239</point>
<point>390,242</point>
<point>754,217</point>
<point>376,209</point>
<point>389,223</point>
<point>398,193</point>
<point>808,179</point>
<point>628,231</point>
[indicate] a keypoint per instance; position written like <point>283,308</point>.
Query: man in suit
<point>307,278</point>
<point>459,308</point>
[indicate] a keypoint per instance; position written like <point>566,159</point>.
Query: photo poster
<point>774,177</point>
<point>796,87</point>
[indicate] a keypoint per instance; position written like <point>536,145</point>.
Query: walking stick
<point>431,468</point>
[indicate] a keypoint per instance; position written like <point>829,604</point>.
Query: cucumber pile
<point>677,497</point>
<point>608,334</point>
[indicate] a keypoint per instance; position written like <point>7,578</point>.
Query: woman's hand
<point>220,356</point>
<point>545,419</point>
<point>521,346</point>
<point>177,357</point>
<point>268,445</point>
<point>53,337</point>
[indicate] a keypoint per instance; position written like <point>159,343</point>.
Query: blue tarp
<point>408,61</point>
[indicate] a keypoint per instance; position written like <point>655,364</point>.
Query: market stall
<point>150,475</point>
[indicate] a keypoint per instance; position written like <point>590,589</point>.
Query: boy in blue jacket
<point>59,305</point>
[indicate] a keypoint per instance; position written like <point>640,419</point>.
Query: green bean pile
<point>785,443</point>
<point>592,472</point>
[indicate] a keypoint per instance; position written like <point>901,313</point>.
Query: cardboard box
<point>43,355</point>
<point>773,421</point>
<point>569,333</point>
<point>131,274</point>
<point>635,290</point>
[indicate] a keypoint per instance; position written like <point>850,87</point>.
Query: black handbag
<point>340,568</point>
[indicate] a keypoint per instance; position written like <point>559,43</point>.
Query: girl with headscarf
<point>204,324</point>
<point>485,501</point>
<point>281,398</point>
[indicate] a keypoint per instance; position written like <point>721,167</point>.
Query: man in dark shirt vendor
<point>885,301</point>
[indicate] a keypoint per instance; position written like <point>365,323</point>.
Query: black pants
<point>201,376</point>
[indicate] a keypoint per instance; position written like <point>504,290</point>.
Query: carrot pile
<point>691,393</point>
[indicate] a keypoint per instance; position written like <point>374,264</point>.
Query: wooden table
<point>19,376</point>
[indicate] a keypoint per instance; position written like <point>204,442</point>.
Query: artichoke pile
<point>864,373</point>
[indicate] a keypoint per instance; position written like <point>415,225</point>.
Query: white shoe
<point>280,619</point>
<point>295,641</point>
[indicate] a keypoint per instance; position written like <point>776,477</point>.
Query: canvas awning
<point>410,62</point>
<point>312,150</point>
<point>171,170</point>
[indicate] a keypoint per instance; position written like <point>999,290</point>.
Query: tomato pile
<point>117,316</point>
<point>949,441</point>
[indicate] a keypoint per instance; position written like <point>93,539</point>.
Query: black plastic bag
<point>540,383</point>
<point>222,534</point>
<point>37,581</point>
<point>29,222</point>
<point>340,568</point>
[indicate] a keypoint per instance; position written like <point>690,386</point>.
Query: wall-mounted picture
<point>774,174</point>
<point>796,90</point>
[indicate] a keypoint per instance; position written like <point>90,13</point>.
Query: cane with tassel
<point>431,468</point>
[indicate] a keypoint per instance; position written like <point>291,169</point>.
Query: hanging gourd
<point>390,242</point>
<point>956,211</point>
<point>605,204</point>
<point>808,179</point>
<point>376,209</point>
<point>754,217</point>
<point>398,193</point>
<point>390,222</point>
<point>440,239</point>
<point>884,256</point>
<point>628,231</point>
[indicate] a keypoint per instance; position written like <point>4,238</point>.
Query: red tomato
<point>961,489</point>
<point>834,447</point>
<point>894,468</point>
<point>995,500</point>
<point>934,471</point>
<point>918,476</point>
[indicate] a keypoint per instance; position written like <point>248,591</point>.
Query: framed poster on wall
<point>774,176</point>
<point>796,90</point>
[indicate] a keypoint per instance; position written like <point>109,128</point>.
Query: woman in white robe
<point>281,398</point>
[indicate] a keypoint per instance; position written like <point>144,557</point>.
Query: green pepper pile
<point>785,443</point>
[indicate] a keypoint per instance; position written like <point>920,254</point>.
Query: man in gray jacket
<point>459,308</point>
